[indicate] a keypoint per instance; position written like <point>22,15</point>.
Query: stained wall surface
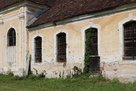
<point>110,40</point>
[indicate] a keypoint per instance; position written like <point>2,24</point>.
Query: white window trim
<point>91,25</point>
<point>8,38</point>
<point>9,29</point>
<point>55,47</point>
<point>121,36</point>
<point>6,43</point>
<point>33,50</point>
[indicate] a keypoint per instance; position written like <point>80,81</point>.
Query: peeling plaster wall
<point>49,62</point>
<point>13,19</point>
<point>125,72</point>
<point>110,45</point>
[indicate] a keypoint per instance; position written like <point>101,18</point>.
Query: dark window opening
<point>11,37</point>
<point>61,47</point>
<point>130,40</point>
<point>92,50</point>
<point>91,34</point>
<point>38,49</point>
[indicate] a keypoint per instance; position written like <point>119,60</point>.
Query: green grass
<point>82,83</point>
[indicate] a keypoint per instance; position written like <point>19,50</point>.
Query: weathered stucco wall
<point>109,39</point>
<point>110,44</point>
<point>13,59</point>
<point>74,48</point>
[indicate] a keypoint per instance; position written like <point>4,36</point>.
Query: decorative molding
<point>14,16</point>
<point>21,16</point>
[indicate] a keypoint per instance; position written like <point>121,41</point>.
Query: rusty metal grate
<point>130,40</point>
<point>11,37</point>
<point>38,49</point>
<point>61,47</point>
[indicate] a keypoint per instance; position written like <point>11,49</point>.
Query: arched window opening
<point>38,49</point>
<point>130,40</point>
<point>92,41</point>
<point>61,47</point>
<point>92,59</point>
<point>11,37</point>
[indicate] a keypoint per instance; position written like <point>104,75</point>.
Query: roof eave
<point>86,16</point>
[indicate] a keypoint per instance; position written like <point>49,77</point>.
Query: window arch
<point>61,47</point>
<point>130,40</point>
<point>92,42</point>
<point>11,37</point>
<point>38,49</point>
<point>92,59</point>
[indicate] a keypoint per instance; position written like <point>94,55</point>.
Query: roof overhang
<point>85,16</point>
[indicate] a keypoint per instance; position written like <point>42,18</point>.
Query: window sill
<point>11,46</point>
<point>37,64</point>
<point>128,62</point>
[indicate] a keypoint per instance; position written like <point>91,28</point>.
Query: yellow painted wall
<point>13,19</point>
<point>109,43</point>
<point>109,40</point>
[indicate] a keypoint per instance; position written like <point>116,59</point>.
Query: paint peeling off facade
<point>55,44</point>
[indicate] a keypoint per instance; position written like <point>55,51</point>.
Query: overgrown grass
<point>82,83</point>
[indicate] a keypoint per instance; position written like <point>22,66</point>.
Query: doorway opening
<point>92,60</point>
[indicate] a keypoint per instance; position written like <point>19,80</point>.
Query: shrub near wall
<point>90,49</point>
<point>87,54</point>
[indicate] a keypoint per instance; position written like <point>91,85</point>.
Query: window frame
<point>65,47</point>
<point>132,39</point>
<point>11,37</point>
<point>95,31</point>
<point>41,50</point>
